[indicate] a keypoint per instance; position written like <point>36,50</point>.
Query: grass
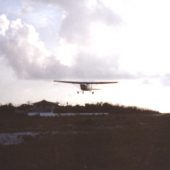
<point>116,142</point>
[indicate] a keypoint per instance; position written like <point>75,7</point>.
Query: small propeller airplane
<point>86,85</point>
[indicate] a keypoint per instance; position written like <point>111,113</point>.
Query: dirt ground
<point>116,142</point>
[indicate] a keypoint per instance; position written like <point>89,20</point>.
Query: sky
<point>120,40</point>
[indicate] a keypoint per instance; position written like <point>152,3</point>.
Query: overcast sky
<point>123,40</point>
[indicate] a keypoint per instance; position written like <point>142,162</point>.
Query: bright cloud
<point>21,46</point>
<point>4,24</point>
<point>77,41</point>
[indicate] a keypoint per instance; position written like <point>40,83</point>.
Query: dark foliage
<point>103,107</point>
<point>9,109</point>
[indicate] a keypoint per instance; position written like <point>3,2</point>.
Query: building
<point>43,108</point>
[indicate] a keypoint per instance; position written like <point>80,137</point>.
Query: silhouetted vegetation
<point>45,106</point>
<point>7,109</point>
<point>101,107</point>
<point>104,107</point>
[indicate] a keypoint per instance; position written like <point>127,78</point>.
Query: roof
<point>44,102</point>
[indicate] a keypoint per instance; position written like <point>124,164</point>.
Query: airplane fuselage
<point>86,87</point>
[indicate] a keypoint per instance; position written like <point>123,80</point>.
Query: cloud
<point>78,16</point>
<point>22,47</point>
<point>87,66</point>
<point>4,24</point>
<point>164,79</point>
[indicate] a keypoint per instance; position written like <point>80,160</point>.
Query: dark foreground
<point>117,142</point>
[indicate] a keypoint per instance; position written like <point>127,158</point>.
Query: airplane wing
<point>86,82</point>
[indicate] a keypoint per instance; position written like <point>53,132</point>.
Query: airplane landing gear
<point>78,92</point>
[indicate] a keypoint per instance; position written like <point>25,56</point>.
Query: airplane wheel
<point>92,92</point>
<point>77,92</point>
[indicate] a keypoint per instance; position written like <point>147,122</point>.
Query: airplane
<point>86,85</point>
